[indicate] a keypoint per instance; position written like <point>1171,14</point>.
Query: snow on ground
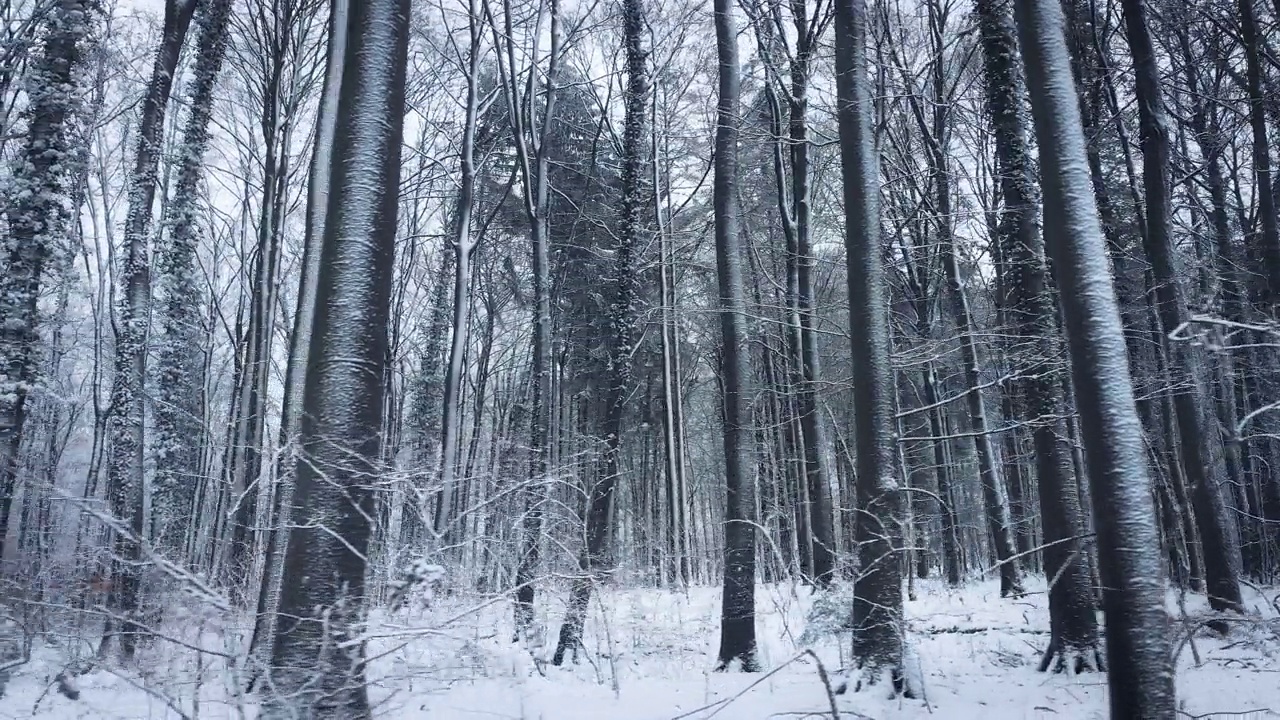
<point>649,654</point>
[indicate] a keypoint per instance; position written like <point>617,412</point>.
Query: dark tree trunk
<point>822,531</point>
<point>264,628</point>
<point>534,168</point>
<point>622,321</point>
<point>878,635</point>
<point>315,673</point>
<point>1221,562</point>
<point>127,457</point>
<point>1267,240</point>
<point>993,498</point>
<point>738,616</point>
<point>1073,624</point>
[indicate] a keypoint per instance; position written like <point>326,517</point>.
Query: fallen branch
<point>719,705</point>
<point>1226,714</point>
<point>975,630</point>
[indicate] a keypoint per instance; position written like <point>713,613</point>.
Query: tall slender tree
<point>1221,561</point>
<point>317,659</point>
<point>878,634</point>
<point>1029,306</point>
<point>179,381</point>
<point>796,209</point>
<point>738,614</point>
<point>464,246</point>
<point>622,322</point>
<point>533,167</point>
<point>264,628</point>
<point>1140,676</point>
<point>134,275</point>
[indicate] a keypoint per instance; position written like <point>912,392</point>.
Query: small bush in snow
<point>421,575</point>
<point>829,615</point>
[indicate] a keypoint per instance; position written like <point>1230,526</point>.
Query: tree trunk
<point>878,635</point>
<point>951,559</point>
<point>464,245</point>
<point>291,412</point>
<point>1267,238</point>
<point>169,531</point>
<point>41,181</point>
<point>425,422</point>
<point>1141,673</point>
<point>1221,563</point>
<point>534,166</point>
<point>1073,623</point>
<point>128,411</point>
<point>738,617</point>
<point>625,292</point>
<point>315,673</point>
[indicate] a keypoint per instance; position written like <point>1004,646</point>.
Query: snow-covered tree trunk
<point>533,169</point>
<point>169,514</point>
<point>1029,306</point>
<point>318,661</point>
<point>1221,557</point>
<point>128,409</point>
<point>878,633</point>
<point>291,412</point>
<point>464,245</point>
<point>622,326</point>
<point>738,614</point>
<point>820,518</point>
<point>1140,671</point>
<point>39,214</point>
<point>125,482</point>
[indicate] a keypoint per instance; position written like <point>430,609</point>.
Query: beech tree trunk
<point>738,617</point>
<point>269,592</point>
<point>316,674</point>
<point>1141,673</point>
<point>877,592</point>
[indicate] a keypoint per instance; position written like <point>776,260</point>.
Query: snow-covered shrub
<point>829,616</point>
<point>419,580</point>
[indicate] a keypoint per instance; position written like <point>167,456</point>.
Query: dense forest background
<point>311,310</point>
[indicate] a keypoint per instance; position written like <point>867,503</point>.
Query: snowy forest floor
<point>649,656</point>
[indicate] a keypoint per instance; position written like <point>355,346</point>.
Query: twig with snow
<point>718,705</point>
